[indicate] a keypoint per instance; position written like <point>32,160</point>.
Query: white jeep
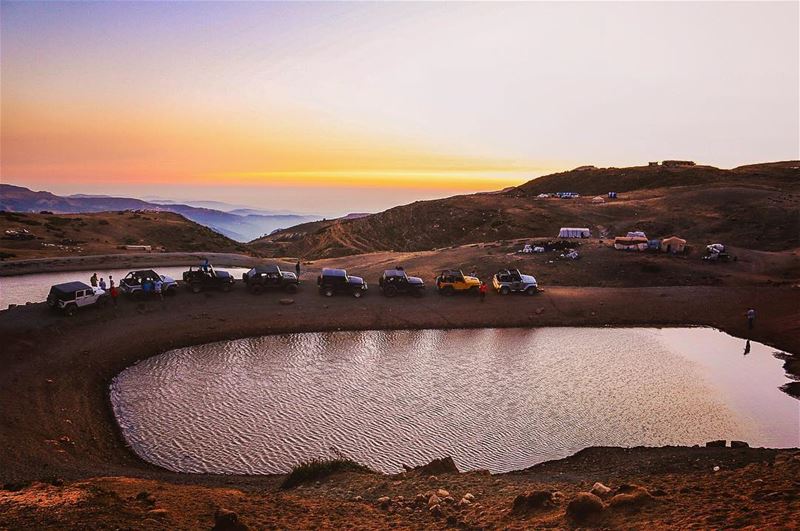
<point>70,296</point>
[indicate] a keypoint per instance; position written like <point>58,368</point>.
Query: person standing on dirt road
<point>102,284</point>
<point>482,290</point>
<point>297,268</point>
<point>751,318</point>
<point>114,293</point>
<point>93,280</point>
<point>157,285</point>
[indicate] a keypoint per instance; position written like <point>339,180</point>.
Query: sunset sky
<point>340,107</point>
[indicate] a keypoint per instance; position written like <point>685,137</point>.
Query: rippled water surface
<point>501,399</point>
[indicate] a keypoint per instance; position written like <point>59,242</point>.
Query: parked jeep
<point>132,283</point>
<point>332,281</point>
<point>204,277</point>
<point>454,281</point>
<point>70,296</point>
<point>270,277</point>
<point>394,281</point>
<point>511,280</point>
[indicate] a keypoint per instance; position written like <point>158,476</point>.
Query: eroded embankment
<point>55,416</point>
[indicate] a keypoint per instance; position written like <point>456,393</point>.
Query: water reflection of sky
<point>492,398</point>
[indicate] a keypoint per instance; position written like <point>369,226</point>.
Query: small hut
<point>625,243</point>
<point>673,245</point>
<point>574,232</point>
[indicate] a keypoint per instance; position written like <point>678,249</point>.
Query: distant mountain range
<point>240,224</point>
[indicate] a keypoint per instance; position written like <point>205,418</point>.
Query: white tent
<point>598,199</point>
<point>573,232</point>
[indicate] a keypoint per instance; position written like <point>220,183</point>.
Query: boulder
<point>739,444</point>
<point>442,493</point>
<point>469,497</point>
<point>227,520</point>
<point>632,498</point>
<point>715,444</point>
<point>444,465</point>
<point>598,489</point>
<point>384,502</point>
<point>537,499</point>
<point>584,505</point>
<point>436,510</point>
<point>434,500</point>
<point>287,302</point>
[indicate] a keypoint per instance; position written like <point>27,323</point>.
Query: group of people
<point>112,289</point>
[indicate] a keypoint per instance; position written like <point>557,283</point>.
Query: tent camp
<point>673,245</point>
<point>624,243</point>
<point>572,232</point>
<point>636,234</point>
<point>598,200</point>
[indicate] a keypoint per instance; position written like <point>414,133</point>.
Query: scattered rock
<point>632,498</point>
<point>57,482</point>
<point>358,499</point>
<point>464,501</point>
<point>158,512</point>
<point>584,505</point>
<point>420,499</point>
<point>442,493</point>
<point>384,502</point>
<point>449,499</point>
<point>227,520</point>
<point>537,499</point>
<point>469,497</point>
<point>287,302</point>
<point>436,510</point>
<point>598,489</point>
<point>739,444</point>
<point>715,444</point>
<point>434,500</point>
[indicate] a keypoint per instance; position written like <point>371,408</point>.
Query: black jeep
<point>270,277</point>
<point>394,281</point>
<point>206,277</point>
<point>338,281</point>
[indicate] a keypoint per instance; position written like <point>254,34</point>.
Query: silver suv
<point>70,296</point>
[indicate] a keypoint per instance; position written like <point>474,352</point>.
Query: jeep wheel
<point>195,287</point>
<point>390,291</point>
<point>328,292</point>
<point>291,288</point>
<point>358,293</point>
<point>530,291</point>
<point>505,290</point>
<point>69,309</point>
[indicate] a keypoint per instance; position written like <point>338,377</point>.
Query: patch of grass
<point>320,468</point>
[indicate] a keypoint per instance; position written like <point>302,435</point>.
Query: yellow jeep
<point>454,281</point>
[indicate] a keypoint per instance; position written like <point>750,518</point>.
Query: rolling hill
<point>241,226</point>
<point>104,232</point>
<point>755,206</point>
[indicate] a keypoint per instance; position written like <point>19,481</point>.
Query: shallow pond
<point>35,287</point>
<point>501,399</point>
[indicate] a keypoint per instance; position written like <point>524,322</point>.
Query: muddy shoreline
<point>56,413</point>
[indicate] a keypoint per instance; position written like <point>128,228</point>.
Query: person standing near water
<point>102,284</point>
<point>297,268</point>
<point>93,280</point>
<point>751,318</point>
<point>747,348</point>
